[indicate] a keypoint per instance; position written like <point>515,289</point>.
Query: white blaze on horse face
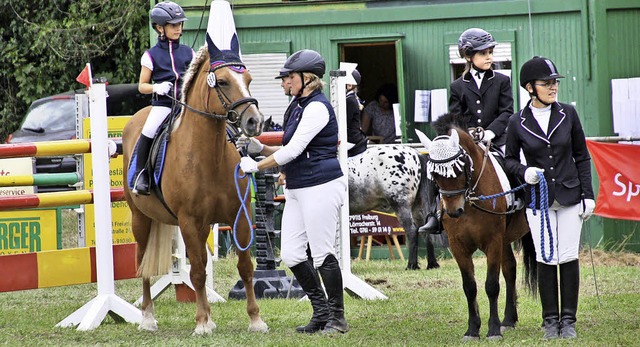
<point>244,89</point>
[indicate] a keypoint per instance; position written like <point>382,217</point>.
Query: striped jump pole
<point>50,179</point>
<point>74,197</point>
<point>53,148</point>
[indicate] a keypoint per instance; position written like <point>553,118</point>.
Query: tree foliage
<point>45,45</point>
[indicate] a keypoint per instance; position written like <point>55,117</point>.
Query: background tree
<point>45,45</point>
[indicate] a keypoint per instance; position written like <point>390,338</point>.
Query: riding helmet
<point>538,68</point>
<point>166,12</point>
<point>306,60</point>
<point>474,40</point>
<point>282,74</point>
<point>356,76</point>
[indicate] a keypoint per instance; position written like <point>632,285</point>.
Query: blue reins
<point>243,206</point>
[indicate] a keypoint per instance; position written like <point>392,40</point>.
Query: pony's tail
<point>156,259</point>
<point>530,278</point>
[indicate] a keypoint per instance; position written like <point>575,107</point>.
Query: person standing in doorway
<point>550,136</point>
<point>356,138</point>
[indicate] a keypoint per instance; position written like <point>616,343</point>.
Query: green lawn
<point>425,308</point>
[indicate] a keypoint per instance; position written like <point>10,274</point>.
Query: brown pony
<point>464,173</point>
<point>198,185</point>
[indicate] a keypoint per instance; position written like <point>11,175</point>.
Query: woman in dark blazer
<point>550,136</point>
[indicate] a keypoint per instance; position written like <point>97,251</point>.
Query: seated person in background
<point>377,116</point>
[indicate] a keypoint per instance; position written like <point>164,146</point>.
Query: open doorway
<point>376,63</point>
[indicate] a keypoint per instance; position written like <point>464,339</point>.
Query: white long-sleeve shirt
<point>314,118</point>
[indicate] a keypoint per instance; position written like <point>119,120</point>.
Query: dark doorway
<point>376,63</point>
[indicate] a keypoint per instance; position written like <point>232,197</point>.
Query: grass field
<point>425,308</point>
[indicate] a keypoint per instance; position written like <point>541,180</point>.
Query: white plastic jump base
<point>180,272</point>
<point>352,284</point>
<point>93,312</point>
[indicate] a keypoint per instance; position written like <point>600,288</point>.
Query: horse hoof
<point>470,338</point>
<point>494,338</point>
<point>204,329</point>
<point>413,267</point>
<point>504,328</point>
<point>433,266</point>
<point>148,325</point>
<point>258,326</point>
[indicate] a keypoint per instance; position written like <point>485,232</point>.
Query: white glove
<point>586,208</point>
<point>531,175</point>
<point>248,165</point>
<point>488,136</point>
<point>253,145</point>
<point>162,88</point>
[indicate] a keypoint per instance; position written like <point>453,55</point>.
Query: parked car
<point>53,118</point>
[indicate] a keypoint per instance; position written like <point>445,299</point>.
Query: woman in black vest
<point>315,191</point>
<point>550,136</point>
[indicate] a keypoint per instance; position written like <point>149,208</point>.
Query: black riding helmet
<point>306,60</point>
<point>166,12</point>
<point>356,76</point>
<point>538,68</point>
<point>474,40</point>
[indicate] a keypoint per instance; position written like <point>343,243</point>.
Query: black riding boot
<point>332,278</point>
<point>141,181</point>
<point>308,278</point>
<point>433,224</point>
<point>569,291</point>
<point>548,288</point>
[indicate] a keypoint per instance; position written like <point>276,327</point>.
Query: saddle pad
<point>504,181</point>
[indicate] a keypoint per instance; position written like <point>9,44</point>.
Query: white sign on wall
<point>16,167</point>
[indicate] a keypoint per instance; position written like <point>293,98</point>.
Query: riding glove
<point>586,208</point>
<point>531,175</point>
<point>488,136</point>
<point>248,165</point>
<point>162,88</point>
<point>253,145</point>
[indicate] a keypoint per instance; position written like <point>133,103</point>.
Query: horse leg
<point>245,270</point>
<point>432,262</point>
<point>465,264</point>
<point>141,227</point>
<point>492,286</point>
<point>406,219</point>
<point>509,274</point>
<point>195,237</point>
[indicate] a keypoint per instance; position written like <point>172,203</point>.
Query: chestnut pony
<point>198,184</point>
<point>464,175</point>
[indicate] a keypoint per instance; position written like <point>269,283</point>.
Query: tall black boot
<point>433,224</point>
<point>548,288</point>
<point>569,291</point>
<point>141,181</point>
<point>309,280</point>
<point>332,278</point>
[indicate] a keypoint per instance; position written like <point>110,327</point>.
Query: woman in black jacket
<point>550,136</point>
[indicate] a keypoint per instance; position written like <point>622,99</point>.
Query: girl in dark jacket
<point>550,136</point>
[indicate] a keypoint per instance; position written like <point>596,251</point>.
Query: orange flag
<point>85,76</point>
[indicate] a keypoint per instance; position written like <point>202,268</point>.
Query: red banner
<point>619,172</point>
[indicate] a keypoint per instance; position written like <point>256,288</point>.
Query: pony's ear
<point>235,45</point>
<point>213,50</point>
<point>454,138</point>
<point>424,140</point>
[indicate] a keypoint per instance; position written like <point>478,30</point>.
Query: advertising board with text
<point>374,223</point>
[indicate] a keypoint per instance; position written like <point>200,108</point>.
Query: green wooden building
<point>413,45</point>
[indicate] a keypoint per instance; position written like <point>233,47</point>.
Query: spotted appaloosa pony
<point>197,182</point>
<point>393,178</point>
<point>464,174</point>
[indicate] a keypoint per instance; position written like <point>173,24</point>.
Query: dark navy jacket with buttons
<point>355,134</point>
<point>170,61</point>
<point>489,107</point>
<point>318,163</point>
<point>562,153</point>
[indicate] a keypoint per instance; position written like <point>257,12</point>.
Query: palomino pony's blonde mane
<point>201,56</point>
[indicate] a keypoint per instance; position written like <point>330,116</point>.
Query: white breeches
<point>311,217</point>
<point>155,118</point>
<point>566,227</point>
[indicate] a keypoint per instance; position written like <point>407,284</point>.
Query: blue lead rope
<point>243,206</point>
<point>544,215</point>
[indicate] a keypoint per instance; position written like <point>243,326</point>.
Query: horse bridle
<point>231,116</point>
<point>466,159</point>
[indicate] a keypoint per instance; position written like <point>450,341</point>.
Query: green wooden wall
<point>591,42</point>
